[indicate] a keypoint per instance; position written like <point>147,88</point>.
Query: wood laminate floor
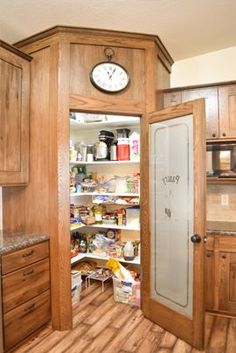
<point>103,326</point>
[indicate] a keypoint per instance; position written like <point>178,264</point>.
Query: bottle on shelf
<point>134,141</point>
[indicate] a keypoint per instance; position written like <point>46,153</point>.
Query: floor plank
<point>218,337</point>
<point>103,326</point>
<point>181,347</point>
<point>138,335</point>
<point>151,342</point>
<point>231,337</point>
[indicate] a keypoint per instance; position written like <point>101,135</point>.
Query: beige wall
<point>217,66</point>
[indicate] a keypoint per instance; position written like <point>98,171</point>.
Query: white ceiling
<point>186,27</point>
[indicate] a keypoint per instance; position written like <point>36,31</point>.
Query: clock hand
<point>110,76</point>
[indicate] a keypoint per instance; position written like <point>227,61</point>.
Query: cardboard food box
<point>126,292</point>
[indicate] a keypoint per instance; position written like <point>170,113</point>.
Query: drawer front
<point>24,284</point>
<point>227,243</point>
<point>24,320</point>
<point>21,258</point>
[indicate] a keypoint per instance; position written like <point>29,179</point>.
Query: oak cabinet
<point>211,106</point>
<point>25,292</point>
<point>220,103</point>
<point>220,274</point>
<point>14,116</point>
<point>227,282</point>
<point>62,60</point>
<point>227,111</point>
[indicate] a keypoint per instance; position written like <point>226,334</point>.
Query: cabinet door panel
<point>227,111</point>
<point>14,116</point>
<point>232,279</point>
<point>209,279</point>
<point>226,282</point>
<point>172,98</point>
<point>211,106</point>
<point>10,95</point>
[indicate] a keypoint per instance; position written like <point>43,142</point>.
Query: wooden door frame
<point>193,334</point>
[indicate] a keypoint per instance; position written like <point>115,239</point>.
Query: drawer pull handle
<point>30,308</point>
<point>28,253</point>
<point>28,273</point>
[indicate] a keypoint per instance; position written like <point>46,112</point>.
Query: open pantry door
<point>173,220</point>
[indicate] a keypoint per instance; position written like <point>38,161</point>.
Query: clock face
<point>109,77</point>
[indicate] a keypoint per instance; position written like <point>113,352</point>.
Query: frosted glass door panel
<point>172,196</point>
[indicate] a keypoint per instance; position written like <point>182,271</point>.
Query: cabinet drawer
<point>25,284</point>
<point>24,257</point>
<point>22,321</point>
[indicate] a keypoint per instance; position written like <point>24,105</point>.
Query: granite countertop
<point>12,241</point>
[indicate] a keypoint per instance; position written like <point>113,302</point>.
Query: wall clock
<point>108,76</point>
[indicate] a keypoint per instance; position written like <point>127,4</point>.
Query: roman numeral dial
<point>109,77</point>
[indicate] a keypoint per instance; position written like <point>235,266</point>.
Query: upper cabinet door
<point>173,220</point>
<point>227,111</point>
<point>211,102</point>
<point>14,118</point>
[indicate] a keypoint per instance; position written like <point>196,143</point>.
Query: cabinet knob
<point>224,134</point>
<point>224,257</point>
<point>208,255</point>
<point>213,135</point>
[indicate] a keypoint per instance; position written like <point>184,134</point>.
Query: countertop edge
<point>11,242</point>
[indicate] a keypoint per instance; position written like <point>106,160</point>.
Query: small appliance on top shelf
<point>126,147</point>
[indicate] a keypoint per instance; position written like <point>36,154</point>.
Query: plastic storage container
<point>126,292</point>
<point>76,284</point>
<point>132,216</point>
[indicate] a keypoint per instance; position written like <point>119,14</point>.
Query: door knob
<point>195,238</point>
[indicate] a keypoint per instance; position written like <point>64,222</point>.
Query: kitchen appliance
<point>122,133</point>
<point>223,160</point>
<point>123,146</point>
<point>102,147</point>
<point>113,151</point>
<point>100,150</point>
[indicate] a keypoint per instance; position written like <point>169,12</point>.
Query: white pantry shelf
<point>103,162</point>
<point>73,194</point>
<point>107,226</point>
<point>82,256</point>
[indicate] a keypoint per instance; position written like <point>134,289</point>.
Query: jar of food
<point>128,251</point>
<point>98,213</point>
<point>82,246</point>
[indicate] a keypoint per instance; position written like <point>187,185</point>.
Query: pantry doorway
<point>174,227</point>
